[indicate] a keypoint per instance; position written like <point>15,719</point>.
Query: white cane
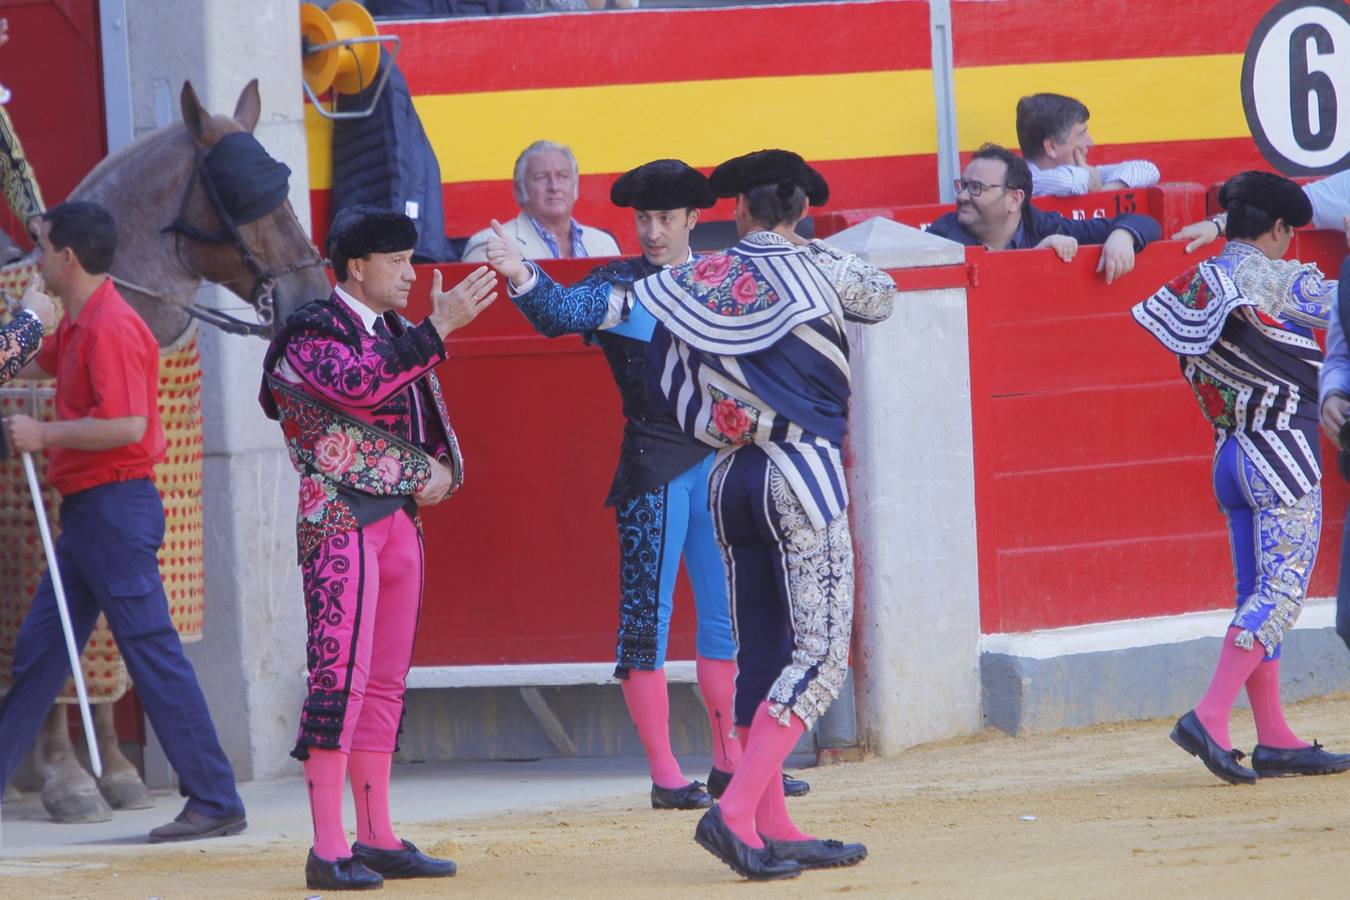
<point>95,762</point>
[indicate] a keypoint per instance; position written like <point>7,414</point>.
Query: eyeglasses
<point>975,188</point>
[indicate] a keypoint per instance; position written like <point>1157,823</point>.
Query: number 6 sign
<point>1296,67</point>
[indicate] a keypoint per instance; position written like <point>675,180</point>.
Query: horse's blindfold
<point>249,183</point>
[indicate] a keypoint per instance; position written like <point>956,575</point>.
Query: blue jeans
<point>107,553</point>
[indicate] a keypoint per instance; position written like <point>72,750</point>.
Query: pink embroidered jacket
<point>371,395</point>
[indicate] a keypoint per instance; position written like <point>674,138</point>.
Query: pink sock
<point>325,774</point>
<point>717,683</point>
<point>762,765</point>
<point>369,773</point>
<point>1263,690</point>
<point>649,705</point>
<point>771,815</point>
<point>1235,666</point>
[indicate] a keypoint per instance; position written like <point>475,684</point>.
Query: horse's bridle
<point>264,280</point>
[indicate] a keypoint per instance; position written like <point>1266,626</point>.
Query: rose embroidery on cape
<point>712,270</point>
<point>732,421</point>
<point>314,496</point>
<point>335,452</point>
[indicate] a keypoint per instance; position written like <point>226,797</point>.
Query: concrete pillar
<point>251,658</point>
<point>913,502</point>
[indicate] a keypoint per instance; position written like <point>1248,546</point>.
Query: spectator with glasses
<point>993,209</point>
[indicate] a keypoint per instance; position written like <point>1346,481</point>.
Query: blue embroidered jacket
<point>1241,326</point>
<point>654,449</point>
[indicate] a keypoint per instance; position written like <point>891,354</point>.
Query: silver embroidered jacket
<point>752,349</point>
<point>1241,325</point>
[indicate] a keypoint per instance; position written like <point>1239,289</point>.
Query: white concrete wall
<point>251,658</point>
<point>913,503</point>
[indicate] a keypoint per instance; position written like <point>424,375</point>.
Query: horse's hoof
<point>127,793</point>
<point>11,794</point>
<point>79,806</point>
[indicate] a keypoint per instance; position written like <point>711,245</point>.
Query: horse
<point>173,235</point>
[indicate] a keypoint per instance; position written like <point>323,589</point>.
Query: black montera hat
<point>1271,193</point>
<point>359,231</point>
<point>781,167</point>
<point>662,184</point>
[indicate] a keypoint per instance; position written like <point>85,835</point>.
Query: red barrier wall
<point>1173,205</point>
<point>51,65</point>
<point>522,563</point>
<point>1092,462</point>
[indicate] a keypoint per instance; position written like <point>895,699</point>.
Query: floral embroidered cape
<point>338,456</point>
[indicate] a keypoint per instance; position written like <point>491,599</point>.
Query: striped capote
<point>1240,324</point>
<point>752,350</point>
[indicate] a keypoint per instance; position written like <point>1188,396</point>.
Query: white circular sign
<point>1295,73</point>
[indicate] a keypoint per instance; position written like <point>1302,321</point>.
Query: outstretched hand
<point>503,254</point>
<point>1198,234</point>
<point>453,309</point>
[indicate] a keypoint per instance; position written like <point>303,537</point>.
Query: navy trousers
<point>107,553</point>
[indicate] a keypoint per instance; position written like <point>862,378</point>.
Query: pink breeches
<point>363,590</point>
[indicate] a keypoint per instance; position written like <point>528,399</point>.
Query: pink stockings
<point>754,804</point>
<point>717,683</point>
<point>1238,667</point>
<point>649,705</point>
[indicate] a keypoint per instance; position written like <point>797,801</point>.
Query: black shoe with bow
<point>718,781</point>
<point>756,864</point>
<point>690,796</point>
<point>407,862</point>
<point>1192,737</point>
<point>345,874</point>
<point>1272,762</point>
<point>818,854</point>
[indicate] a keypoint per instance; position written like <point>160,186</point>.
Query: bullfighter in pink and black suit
<point>351,382</point>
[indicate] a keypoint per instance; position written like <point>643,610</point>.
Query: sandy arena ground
<point>1119,812</point>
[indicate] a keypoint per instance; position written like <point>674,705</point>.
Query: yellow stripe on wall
<point>615,127</point>
<point>1133,101</point>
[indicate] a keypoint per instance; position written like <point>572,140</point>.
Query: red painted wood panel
<point>51,64</point>
<point>1092,462</point>
<point>1007,32</point>
<point>853,182</point>
<point>710,43</point>
<point>1173,205</point>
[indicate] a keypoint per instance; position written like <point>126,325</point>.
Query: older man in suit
<point>546,183</point>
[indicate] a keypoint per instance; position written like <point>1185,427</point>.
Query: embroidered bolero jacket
<point>1241,325</point>
<point>362,414</point>
<point>752,349</point>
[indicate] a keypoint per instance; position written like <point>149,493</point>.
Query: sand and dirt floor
<point>1119,812</point>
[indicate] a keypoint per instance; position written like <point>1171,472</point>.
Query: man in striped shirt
<point>1052,131</point>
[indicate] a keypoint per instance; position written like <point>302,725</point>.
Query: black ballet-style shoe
<point>345,874</point>
<point>690,796</point>
<point>818,854</point>
<point>1273,762</point>
<point>756,864</point>
<point>718,781</point>
<point>1190,735</point>
<point>408,862</point>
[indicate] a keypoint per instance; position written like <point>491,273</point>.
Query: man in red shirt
<point>101,456</point>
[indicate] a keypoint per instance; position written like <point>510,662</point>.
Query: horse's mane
<point>147,149</point>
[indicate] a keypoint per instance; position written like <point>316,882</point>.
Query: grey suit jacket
<point>596,241</point>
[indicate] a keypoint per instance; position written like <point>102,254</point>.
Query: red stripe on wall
<point>1008,32</point>
<point>469,205</point>
<point>458,56</point>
